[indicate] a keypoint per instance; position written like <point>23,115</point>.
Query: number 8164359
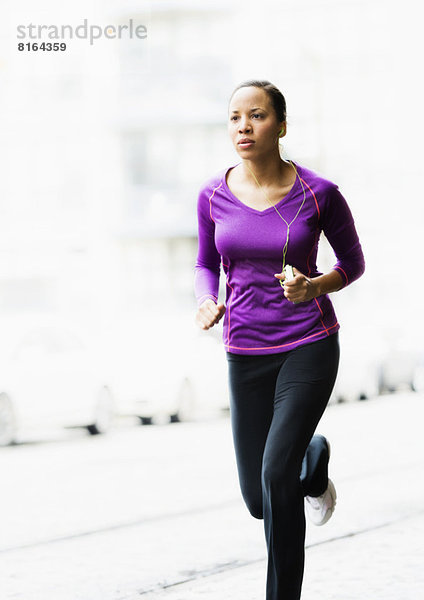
<point>44,46</point>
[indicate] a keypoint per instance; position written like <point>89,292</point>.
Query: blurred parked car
<point>165,369</point>
<point>359,367</point>
<point>51,375</point>
<point>376,361</point>
<point>399,367</point>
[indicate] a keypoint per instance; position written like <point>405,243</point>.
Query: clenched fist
<point>209,313</point>
<point>300,288</point>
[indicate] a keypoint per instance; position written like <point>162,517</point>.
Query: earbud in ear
<point>282,131</point>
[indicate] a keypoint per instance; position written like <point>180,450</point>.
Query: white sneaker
<point>321,508</point>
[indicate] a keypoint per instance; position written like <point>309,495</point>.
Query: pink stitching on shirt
<point>229,302</point>
<point>288,344</point>
<point>207,296</point>
<point>210,200</point>
<point>322,314</point>
<point>347,280</point>
<point>316,203</point>
<point>310,253</point>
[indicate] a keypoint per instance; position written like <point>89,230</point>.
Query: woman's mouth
<point>245,143</point>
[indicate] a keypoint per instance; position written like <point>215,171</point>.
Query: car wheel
<point>8,424</point>
<point>185,403</point>
<point>103,413</point>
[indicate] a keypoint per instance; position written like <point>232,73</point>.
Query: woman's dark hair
<point>274,94</point>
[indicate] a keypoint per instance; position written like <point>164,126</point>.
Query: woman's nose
<point>244,125</point>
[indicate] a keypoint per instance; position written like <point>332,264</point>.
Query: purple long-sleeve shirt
<point>249,245</point>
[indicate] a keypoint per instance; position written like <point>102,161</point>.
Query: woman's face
<point>252,118</point>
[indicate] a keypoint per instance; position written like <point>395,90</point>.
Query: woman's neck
<point>268,172</point>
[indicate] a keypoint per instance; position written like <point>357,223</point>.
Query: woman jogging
<point>261,219</point>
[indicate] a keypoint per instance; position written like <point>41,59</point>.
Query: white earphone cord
<point>277,211</point>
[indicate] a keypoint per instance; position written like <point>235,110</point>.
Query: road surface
<point>155,513</point>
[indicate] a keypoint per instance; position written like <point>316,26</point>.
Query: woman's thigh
<point>252,382</point>
<point>303,388</point>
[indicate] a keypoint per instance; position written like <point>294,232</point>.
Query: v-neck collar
<point>288,196</point>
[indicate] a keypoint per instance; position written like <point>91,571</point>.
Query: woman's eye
<point>257,115</point>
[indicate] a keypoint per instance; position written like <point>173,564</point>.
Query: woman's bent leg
<point>303,388</point>
<point>314,474</point>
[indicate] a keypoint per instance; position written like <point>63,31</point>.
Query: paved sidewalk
<point>373,547</point>
<point>382,564</point>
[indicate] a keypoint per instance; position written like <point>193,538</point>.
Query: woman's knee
<point>280,474</point>
<point>254,505</point>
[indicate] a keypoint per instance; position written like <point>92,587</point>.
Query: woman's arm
<point>339,228</point>
<point>302,288</point>
<point>207,267</point>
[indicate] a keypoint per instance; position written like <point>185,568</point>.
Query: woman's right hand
<point>209,313</point>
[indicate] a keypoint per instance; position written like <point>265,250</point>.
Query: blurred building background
<point>104,147</point>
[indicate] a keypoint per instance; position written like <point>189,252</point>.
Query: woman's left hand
<point>299,289</point>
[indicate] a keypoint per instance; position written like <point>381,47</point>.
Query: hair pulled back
<point>277,99</point>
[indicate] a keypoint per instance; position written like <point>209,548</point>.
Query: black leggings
<point>276,402</point>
